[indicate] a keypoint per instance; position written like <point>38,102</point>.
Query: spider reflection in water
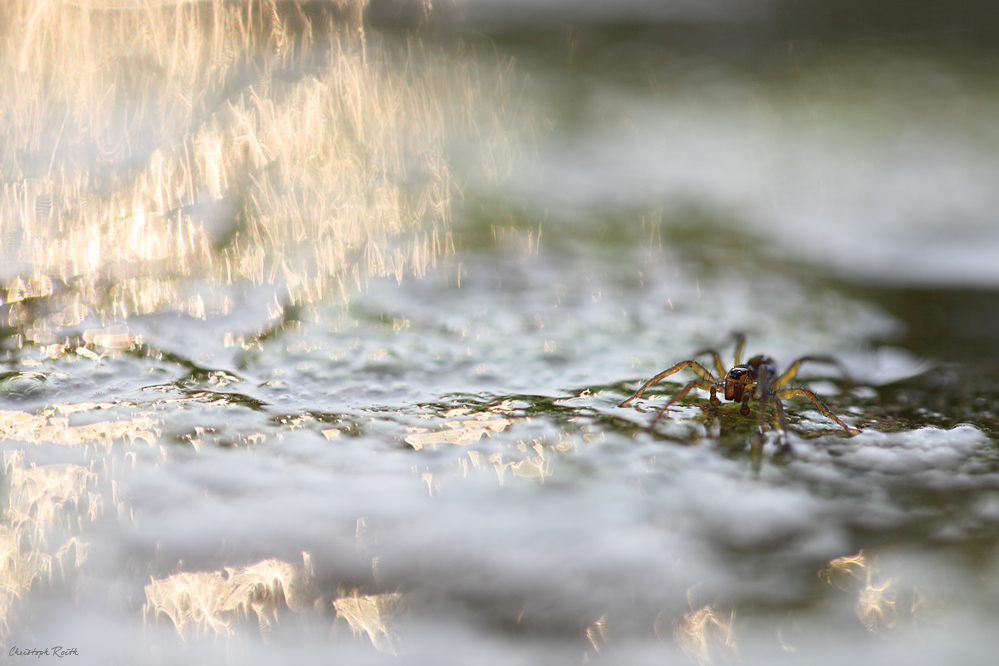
<point>756,379</point>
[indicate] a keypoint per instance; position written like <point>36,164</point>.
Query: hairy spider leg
<point>740,342</point>
<point>697,383</point>
<point>719,366</point>
<point>693,365</point>
<point>791,392</point>
<point>792,369</point>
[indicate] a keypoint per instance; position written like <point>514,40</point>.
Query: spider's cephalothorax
<point>756,379</point>
<point>740,382</point>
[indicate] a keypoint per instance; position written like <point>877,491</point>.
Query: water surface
<point>265,410</point>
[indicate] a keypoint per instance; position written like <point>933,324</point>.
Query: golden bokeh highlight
<point>49,506</point>
<point>52,425</point>
<point>705,633</point>
<point>40,533</point>
<point>219,602</point>
<point>371,615</point>
<point>200,602</point>
<point>156,150</point>
<point>877,595</point>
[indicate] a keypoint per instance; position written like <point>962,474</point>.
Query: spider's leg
<point>697,383</point>
<point>764,400</point>
<point>763,392</point>
<point>719,385</point>
<point>716,358</point>
<point>786,446</point>
<point>740,342</point>
<point>781,416</point>
<point>693,365</point>
<point>792,369</point>
<point>790,392</point>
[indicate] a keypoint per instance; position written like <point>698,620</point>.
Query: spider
<point>756,379</point>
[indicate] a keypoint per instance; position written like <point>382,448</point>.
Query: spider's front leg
<point>701,371</point>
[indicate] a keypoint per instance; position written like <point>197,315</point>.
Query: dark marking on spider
<point>756,379</point>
